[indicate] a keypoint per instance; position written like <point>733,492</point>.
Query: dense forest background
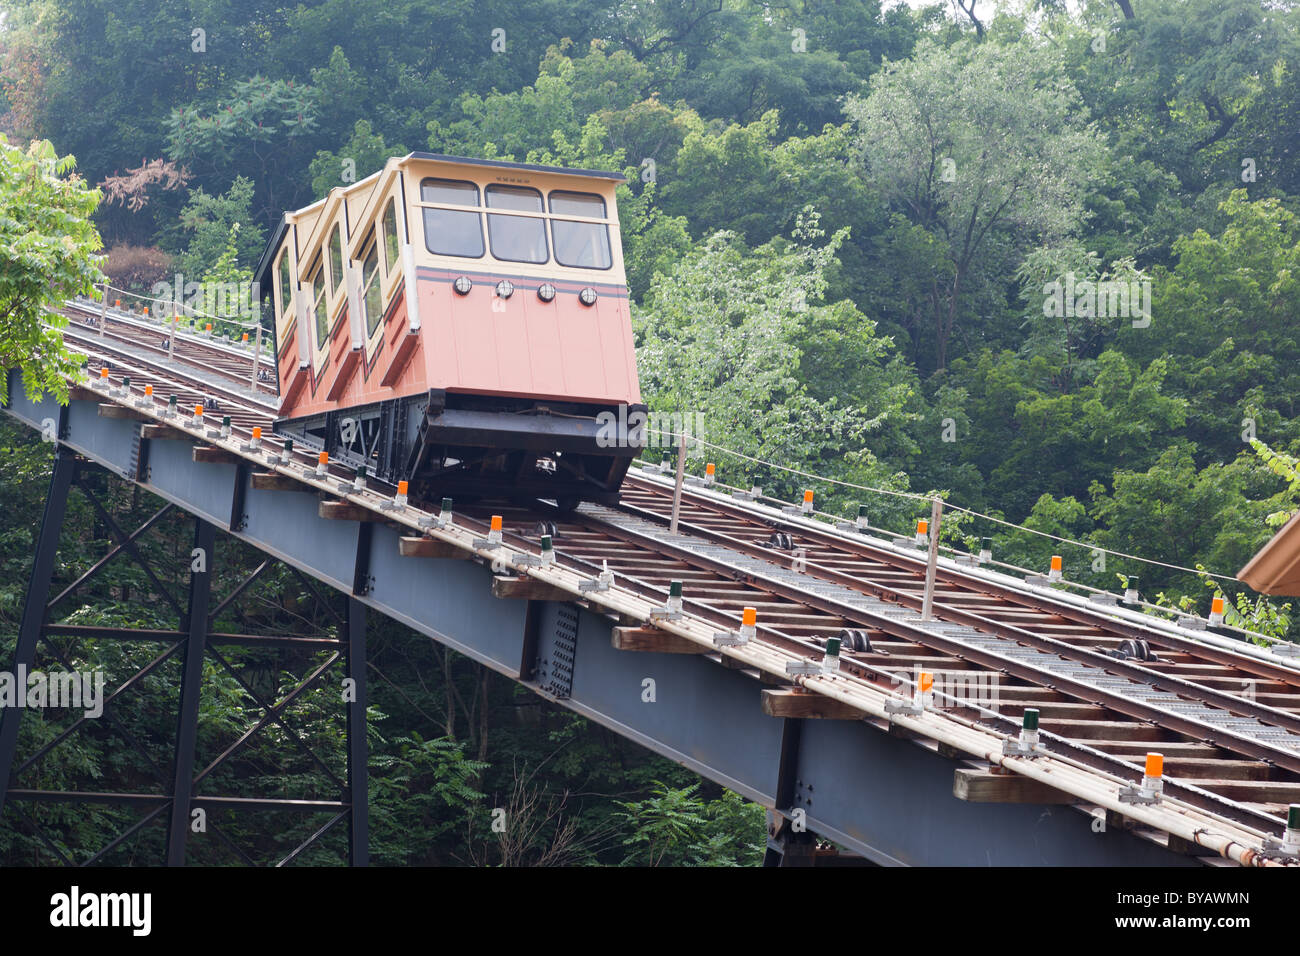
<point>841,224</point>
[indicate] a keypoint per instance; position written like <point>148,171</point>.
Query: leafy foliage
<point>48,246</point>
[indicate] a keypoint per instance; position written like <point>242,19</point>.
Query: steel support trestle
<point>194,641</point>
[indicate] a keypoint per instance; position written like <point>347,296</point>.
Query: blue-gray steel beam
<point>34,607</point>
<point>358,778</point>
<point>187,718</point>
<point>875,794</point>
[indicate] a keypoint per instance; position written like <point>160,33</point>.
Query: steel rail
<point>1041,600</point>
<point>1188,726</point>
<point>227,352</point>
<point>1082,752</point>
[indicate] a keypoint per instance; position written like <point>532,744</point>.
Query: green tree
<point>209,220</point>
<point>675,826</point>
<point>1226,314</point>
<point>724,335</point>
<point>986,147</point>
<point>365,153</point>
<point>253,127</point>
<point>48,246</point>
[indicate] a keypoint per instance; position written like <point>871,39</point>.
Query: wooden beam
<point>109,410</point>
<point>802,703</point>
<point>1254,791</point>
<point>211,455</point>
<point>78,393</point>
<point>412,547</point>
<point>346,511</point>
<point>985,786</point>
<point>799,703</point>
<point>274,481</point>
<point>653,640</point>
<point>528,589</point>
<point>164,432</point>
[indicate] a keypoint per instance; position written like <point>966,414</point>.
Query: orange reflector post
<point>257,431</point>
<point>927,681</point>
<point>198,411</point>
<point>146,310</point>
<point>1216,606</point>
<point>1056,562</point>
<point>244,338</point>
<point>709,469</point>
<point>808,497</point>
<point>749,617</point>
<point>1155,764</point>
<point>324,458</point>
<point>207,327</point>
<point>148,391</point>
<point>922,526</point>
<point>496,522</point>
<point>401,487</point>
<point>117,303</point>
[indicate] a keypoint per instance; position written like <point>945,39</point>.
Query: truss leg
<point>34,609</point>
<point>358,777</point>
<point>784,845</point>
<point>191,685</point>
<point>790,849</point>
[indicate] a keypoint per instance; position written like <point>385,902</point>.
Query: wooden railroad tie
<point>274,481</point>
<point>653,640</point>
<point>212,455</point>
<point>530,589</point>
<point>347,511</point>
<point>110,410</point>
<point>801,703</point>
<point>412,547</point>
<point>985,786</point>
<point>165,433</point>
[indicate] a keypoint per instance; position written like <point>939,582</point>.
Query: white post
<point>257,352</point>
<point>681,477</point>
<point>932,560</point>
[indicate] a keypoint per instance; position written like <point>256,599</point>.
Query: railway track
<point>193,350</point>
<point>1228,722</point>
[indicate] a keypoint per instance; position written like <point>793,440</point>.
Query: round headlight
<point>587,296</point>
<point>462,285</point>
<point>505,288</point>
<point>546,292</point>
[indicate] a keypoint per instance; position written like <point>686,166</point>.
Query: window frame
<point>335,255</point>
<point>552,218</point>
<point>371,245</point>
<point>284,288</point>
<point>425,207</point>
<point>382,239</point>
<point>319,303</point>
<point>519,214</point>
